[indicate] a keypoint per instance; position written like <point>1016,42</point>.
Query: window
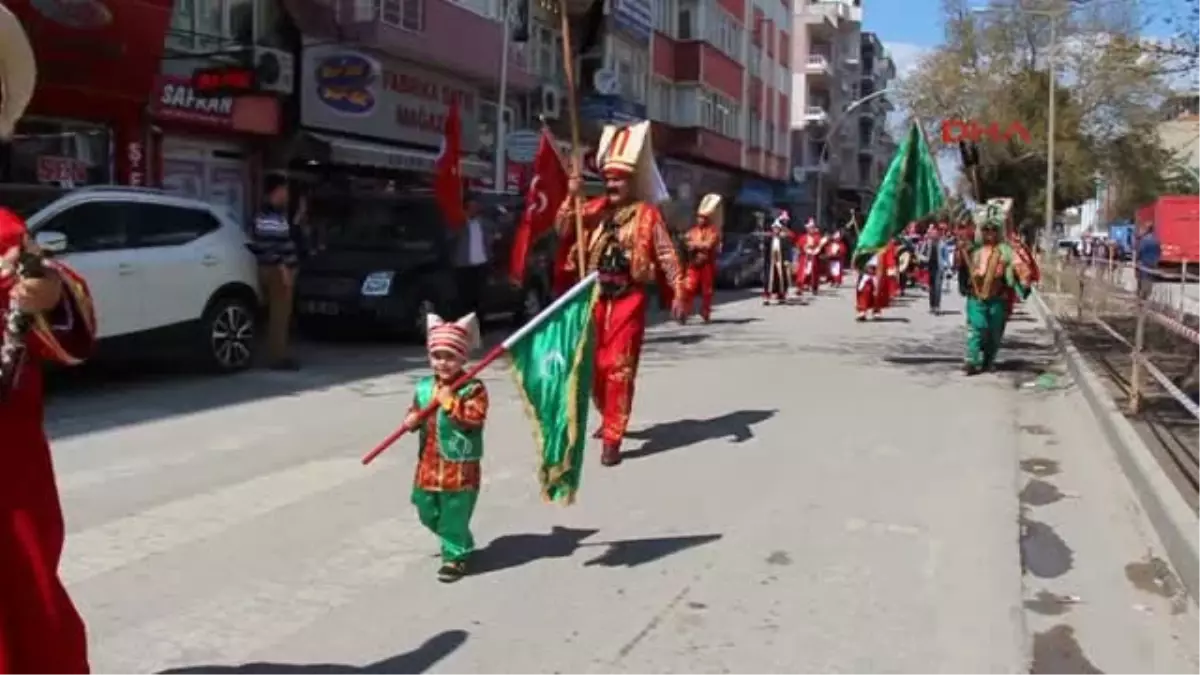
<point>687,24</point>
<point>406,14</point>
<point>155,225</point>
<point>544,51</point>
<point>212,25</point>
<point>688,104</point>
<point>664,14</point>
<point>661,97</point>
<point>754,137</point>
<point>754,62</point>
<point>632,67</point>
<point>723,31</point>
<point>92,226</point>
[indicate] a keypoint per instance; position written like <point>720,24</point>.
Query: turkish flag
<point>447,180</point>
<point>547,190</point>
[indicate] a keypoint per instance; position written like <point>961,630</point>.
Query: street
<point>801,493</point>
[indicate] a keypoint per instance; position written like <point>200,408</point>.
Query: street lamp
<point>833,133</point>
<point>1053,10</point>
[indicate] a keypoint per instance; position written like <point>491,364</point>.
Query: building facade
<point>839,137</point>
<point>719,94</point>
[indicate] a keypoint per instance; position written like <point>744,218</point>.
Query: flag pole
<point>576,159</point>
<point>499,178</point>
<point>488,359</point>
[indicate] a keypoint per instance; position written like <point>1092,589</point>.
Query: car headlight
<point>378,284</point>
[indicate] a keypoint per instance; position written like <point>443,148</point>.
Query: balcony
<point>435,35</point>
<point>818,65</point>
<point>829,14</point>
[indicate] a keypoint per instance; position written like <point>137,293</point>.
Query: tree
<point>993,68</point>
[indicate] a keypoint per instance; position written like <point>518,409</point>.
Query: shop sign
<point>348,91</point>
<point>229,80</point>
<point>63,170</point>
<point>178,100</point>
<point>135,154</point>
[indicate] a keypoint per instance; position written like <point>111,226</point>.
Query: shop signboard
<point>177,99</point>
<point>347,91</point>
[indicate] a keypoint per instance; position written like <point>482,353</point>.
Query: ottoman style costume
<point>40,629</point>
<point>446,484</point>
<point>628,243</point>
<point>703,244</point>
<point>993,272</point>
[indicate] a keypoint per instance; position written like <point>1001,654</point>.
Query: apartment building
<point>720,95</point>
<point>840,143</point>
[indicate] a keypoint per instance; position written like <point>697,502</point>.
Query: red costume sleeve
<point>67,334</point>
<point>665,256</point>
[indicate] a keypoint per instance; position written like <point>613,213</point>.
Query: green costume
<point>990,273</point>
<point>446,485</point>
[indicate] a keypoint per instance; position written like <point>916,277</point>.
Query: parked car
<point>740,262</point>
<point>167,274</point>
<point>386,263</point>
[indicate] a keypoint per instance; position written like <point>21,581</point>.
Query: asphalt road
<point>803,493</point>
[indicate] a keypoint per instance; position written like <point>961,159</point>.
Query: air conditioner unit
<point>275,70</point>
<point>550,102</point>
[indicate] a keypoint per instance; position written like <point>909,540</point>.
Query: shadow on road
<point>515,550</point>
<point>740,321</point>
<point>682,433</point>
<point>685,340</point>
<point>890,319</point>
<point>418,660</point>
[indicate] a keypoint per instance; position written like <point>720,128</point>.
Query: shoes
<point>452,571</point>
<point>971,369</point>
<point>611,454</point>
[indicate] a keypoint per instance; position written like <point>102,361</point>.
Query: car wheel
<point>228,335</point>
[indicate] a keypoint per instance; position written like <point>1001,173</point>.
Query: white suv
<point>165,272</point>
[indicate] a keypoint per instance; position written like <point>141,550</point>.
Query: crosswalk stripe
<point>98,550</point>
<point>232,626</point>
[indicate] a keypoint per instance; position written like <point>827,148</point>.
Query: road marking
<point>232,626</point>
<point>108,547</point>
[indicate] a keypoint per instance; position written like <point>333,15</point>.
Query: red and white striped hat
<point>458,337</point>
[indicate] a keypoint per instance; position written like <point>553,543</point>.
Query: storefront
<point>211,148</point>
<point>687,183</point>
<point>370,115</point>
<point>96,66</point>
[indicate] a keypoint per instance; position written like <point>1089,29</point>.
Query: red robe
<point>835,261</point>
<point>865,297</point>
<point>703,244</point>
<point>808,271</point>
<point>40,630</point>
<point>889,273</point>
<point>620,322</point>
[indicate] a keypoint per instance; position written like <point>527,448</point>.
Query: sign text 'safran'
<point>973,131</point>
<point>182,97</point>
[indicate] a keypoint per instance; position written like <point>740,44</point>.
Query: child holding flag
<point>446,484</point>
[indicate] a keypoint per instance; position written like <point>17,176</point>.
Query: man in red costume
<point>866,297</point>
<point>888,284</point>
<point>835,254</point>
<point>703,244</point>
<point>809,267</point>
<point>40,631</point>
<point>626,240</point>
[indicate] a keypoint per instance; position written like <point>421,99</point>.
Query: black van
<point>384,261</point>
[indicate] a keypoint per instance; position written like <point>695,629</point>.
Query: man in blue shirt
<point>274,245</point>
<point>1149,253</point>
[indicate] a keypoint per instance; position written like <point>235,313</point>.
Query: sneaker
<point>452,571</point>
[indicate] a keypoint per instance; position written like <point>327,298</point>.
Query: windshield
<point>379,223</point>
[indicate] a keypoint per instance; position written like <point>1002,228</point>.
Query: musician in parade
<point>775,271</point>
<point>993,272</point>
<point>809,265</point>
<point>48,318</point>
<point>835,259</point>
<point>703,243</point>
<point>627,242</point>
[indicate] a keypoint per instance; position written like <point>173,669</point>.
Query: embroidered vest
<point>454,443</point>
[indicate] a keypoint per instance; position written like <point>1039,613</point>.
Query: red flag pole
<point>487,360</point>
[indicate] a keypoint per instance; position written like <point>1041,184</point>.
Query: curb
<point>1169,513</point>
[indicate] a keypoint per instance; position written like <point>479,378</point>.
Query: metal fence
<point>1142,333</point>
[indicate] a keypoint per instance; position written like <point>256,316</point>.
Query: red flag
<point>547,190</point>
<point>447,180</point>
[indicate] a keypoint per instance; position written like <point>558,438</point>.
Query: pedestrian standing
<point>274,244</point>
<point>447,480</point>
<point>934,257</point>
<point>471,259</point>
<point>1149,253</point>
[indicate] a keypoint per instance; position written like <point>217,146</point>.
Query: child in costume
<point>446,484</point>
<point>866,297</point>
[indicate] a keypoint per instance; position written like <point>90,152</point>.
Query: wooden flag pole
<point>576,152</point>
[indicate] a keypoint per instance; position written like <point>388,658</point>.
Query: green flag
<point>910,191</point>
<point>552,365</point>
